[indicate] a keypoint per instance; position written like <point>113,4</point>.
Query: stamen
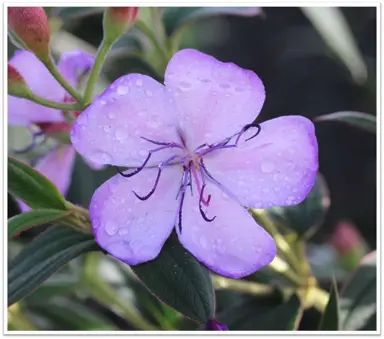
<point>182,191</point>
<point>200,207</point>
<point>246,128</point>
<point>161,166</point>
<point>160,143</point>
<point>33,143</point>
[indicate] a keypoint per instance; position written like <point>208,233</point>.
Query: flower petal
<point>232,244</point>
<point>42,83</point>
<point>132,230</point>
<point>215,99</point>
<point>57,166</point>
<point>93,165</point>
<point>109,131</point>
<point>74,64</point>
<point>276,168</point>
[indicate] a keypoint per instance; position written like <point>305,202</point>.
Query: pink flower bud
<point>118,20</point>
<point>29,27</point>
<point>16,83</point>
<point>349,244</point>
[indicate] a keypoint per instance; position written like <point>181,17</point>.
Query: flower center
<point>193,168</point>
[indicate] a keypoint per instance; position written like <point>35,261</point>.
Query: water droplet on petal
<point>122,90</point>
<point>110,227</point>
<point>111,115</point>
<point>267,166</point>
<point>139,82</point>
<point>148,93</point>
<point>143,152</point>
<point>107,128</point>
<point>100,157</point>
<point>185,85</point>
<point>123,231</point>
<point>121,134</point>
<point>203,242</point>
<point>112,186</point>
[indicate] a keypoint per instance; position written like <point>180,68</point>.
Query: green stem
<point>100,57</point>
<point>142,26</point>
<point>281,243</point>
<point>241,286</point>
<point>60,79</point>
<point>52,104</point>
<point>282,268</point>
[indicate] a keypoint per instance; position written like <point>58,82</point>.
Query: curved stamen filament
<point>200,207</point>
<point>161,166</point>
<point>193,169</point>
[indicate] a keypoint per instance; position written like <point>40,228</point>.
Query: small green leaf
<point>263,314</point>
<point>174,17</point>
<point>42,257</point>
<point>307,216</point>
<point>32,187</point>
<point>23,221</point>
<point>177,279</point>
<point>362,120</point>
<point>330,318</point>
<point>358,297</point>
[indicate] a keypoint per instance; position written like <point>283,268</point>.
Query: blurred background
<point>305,70</point>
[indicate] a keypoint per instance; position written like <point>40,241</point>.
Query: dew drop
<point>113,186</point>
<point>203,242</point>
<point>120,134</point>
<point>148,93</point>
<point>107,128</point>
<point>139,82</point>
<point>185,85</point>
<point>143,152</point>
<point>110,227</point>
<point>122,90</point>
<point>111,115</point>
<point>267,166</point>
<point>101,157</point>
<point>123,231</point>
<point>225,86</point>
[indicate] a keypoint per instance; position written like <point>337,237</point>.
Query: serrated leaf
<point>330,318</point>
<point>362,120</point>
<point>307,216</point>
<point>174,17</point>
<point>358,297</point>
<point>73,13</point>
<point>32,187</point>
<point>177,279</point>
<point>263,314</point>
<point>42,257</point>
<point>26,220</point>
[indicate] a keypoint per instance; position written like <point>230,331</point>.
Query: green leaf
<point>32,187</point>
<point>65,314</point>
<point>358,298</point>
<point>330,318</point>
<point>177,279</point>
<point>42,257</point>
<point>73,13</point>
<point>307,216</point>
<point>23,221</point>
<point>263,314</point>
<point>174,17</point>
<point>362,120</point>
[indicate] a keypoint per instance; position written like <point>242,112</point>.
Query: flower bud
<point>118,20</point>
<point>28,27</point>
<point>16,84</point>
<point>214,325</point>
<point>349,244</point>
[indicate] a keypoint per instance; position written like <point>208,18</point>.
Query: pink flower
<point>196,161</point>
<point>57,165</point>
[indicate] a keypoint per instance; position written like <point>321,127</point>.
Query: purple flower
<point>195,161</point>
<point>214,325</point>
<point>57,165</point>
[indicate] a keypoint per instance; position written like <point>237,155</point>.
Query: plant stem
<point>281,243</point>
<point>100,57</point>
<point>142,26</point>
<point>17,319</point>
<point>52,104</point>
<point>220,282</point>
<point>60,79</point>
<point>282,268</point>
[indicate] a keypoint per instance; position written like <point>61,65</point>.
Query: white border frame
<point>186,3</point>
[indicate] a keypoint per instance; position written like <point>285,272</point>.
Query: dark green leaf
<point>174,17</point>
<point>72,13</point>
<point>263,314</point>
<point>65,314</point>
<point>42,257</point>
<point>357,119</point>
<point>177,279</point>
<point>358,298</point>
<point>330,319</point>
<point>307,216</point>
<point>23,221</point>
<point>32,187</point>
